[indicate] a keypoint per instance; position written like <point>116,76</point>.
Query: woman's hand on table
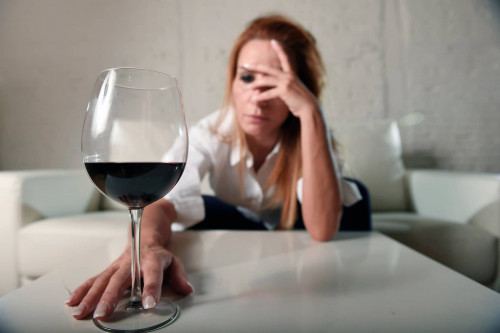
<point>101,293</point>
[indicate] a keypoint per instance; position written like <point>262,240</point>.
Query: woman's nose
<point>259,103</point>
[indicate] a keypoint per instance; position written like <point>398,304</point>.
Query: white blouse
<point>208,155</point>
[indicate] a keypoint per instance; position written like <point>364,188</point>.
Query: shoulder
<point>209,132</point>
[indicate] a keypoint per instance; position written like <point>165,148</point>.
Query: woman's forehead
<point>258,51</point>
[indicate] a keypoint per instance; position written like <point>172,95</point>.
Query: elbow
<point>324,232</point>
<point>322,223</point>
<point>322,237</point>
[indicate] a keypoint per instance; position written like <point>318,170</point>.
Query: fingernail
<point>149,302</point>
<point>79,309</point>
<point>192,288</point>
<point>68,300</point>
<point>101,310</point>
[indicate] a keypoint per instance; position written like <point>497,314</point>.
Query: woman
<point>269,156</point>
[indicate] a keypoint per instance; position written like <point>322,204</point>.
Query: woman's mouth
<point>256,118</point>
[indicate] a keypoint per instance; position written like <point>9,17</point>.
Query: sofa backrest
<point>372,152</point>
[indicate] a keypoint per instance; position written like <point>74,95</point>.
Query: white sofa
<point>452,217</point>
<point>49,216</point>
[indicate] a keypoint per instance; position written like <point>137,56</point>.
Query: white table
<point>284,282</point>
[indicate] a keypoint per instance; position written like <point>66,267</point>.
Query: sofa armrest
<point>27,196</point>
<point>462,197</point>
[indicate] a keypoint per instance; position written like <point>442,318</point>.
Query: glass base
<point>127,319</point>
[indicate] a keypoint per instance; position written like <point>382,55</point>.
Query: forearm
<point>321,200</point>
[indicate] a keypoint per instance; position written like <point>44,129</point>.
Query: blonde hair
<point>305,59</point>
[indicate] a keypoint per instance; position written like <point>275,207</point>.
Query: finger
<point>263,69</point>
<point>117,284</point>
<point>266,95</point>
<point>178,277</point>
<point>89,302</point>
<point>80,292</point>
<point>283,58</point>
<point>264,82</point>
<point>153,279</point>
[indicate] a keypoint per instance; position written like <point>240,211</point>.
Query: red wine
<point>136,184</point>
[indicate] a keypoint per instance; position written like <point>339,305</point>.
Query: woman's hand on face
<point>101,293</point>
<point>282,83</point>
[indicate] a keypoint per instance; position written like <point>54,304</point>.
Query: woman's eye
<point>247,78</point>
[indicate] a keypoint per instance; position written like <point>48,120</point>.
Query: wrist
<point>151,238</point>
<point>312,120</point>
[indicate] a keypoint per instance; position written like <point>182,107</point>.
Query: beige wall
<point>385,59</point>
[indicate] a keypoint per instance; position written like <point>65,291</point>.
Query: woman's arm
<point>101,293</point>
<point>321,200</point>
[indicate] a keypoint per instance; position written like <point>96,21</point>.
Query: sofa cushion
<point>49,243</point>
<point>464,248</point>
<point>372,153</point>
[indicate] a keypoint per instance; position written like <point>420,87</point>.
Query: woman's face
<point>257,119</point>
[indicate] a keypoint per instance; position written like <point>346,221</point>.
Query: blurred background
<point>433,65</point>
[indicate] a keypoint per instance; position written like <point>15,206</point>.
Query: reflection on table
<point>283,281</point>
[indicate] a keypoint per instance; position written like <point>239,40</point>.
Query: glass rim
<point>104,73</point>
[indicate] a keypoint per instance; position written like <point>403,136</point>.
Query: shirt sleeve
<point>186,198</point>
<point>186,195</point>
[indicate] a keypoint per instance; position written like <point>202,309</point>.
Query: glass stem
<point>136,292</point>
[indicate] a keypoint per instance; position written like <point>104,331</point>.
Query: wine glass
<point>134,147</point>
